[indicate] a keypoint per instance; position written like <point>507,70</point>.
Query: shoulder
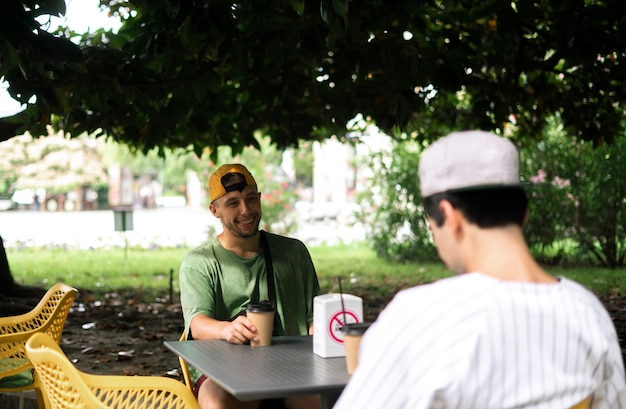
<point>583,296</point>
<point>445,305</point>
<point>204,250</point>
<point>575,288</point>
<point>280,241</point>
<point>579,292</point>
<point>450,298</point>
<point>465,284</point>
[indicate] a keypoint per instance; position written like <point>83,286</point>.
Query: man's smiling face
<point>239,211</point>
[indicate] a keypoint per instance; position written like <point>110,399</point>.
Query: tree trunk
<point>6,279</point>
<point>14,298</point>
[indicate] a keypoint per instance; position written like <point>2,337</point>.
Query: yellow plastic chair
<point>184,367</point>
<point>48,316</point>
<point>68,388</point>
<point>585,404</point>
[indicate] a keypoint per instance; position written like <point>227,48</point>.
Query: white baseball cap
<point>468,160</point>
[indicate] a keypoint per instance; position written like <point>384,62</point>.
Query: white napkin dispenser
<point>328,320</point>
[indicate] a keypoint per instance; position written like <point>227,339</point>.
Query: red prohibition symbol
<point>336,323</point>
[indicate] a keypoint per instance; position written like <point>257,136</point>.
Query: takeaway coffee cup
<point>352,334</point>
<point>262,316</point>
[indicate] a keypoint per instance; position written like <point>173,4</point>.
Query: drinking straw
<point>343,308</point>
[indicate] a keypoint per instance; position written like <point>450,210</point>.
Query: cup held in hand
<point>352,334</point>
<point>262,316</point>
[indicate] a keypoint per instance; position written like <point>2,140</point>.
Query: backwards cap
<point>217,187</point>
<point>468,160</point>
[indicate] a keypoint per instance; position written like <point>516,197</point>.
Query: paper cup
<point>262,317</point>
<point>352,334</point>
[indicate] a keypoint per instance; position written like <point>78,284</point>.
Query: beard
<point>243,231</point>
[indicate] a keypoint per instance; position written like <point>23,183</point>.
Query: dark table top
<point>287,367</point>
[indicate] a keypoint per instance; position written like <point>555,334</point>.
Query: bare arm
<point>239,331</point>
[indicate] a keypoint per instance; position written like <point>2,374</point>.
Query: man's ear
<point>214,210</point>
<point>451,216</point>
<point>445,207</point>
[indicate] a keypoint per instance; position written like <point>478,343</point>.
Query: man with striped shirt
<point>502,333</point>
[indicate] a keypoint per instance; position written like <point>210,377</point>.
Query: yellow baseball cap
<point>218,186</point>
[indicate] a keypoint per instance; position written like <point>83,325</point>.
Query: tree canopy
<point>204,74</point>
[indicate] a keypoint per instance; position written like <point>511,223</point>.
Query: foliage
<point>56,163</point>
<point>600,222</point>
<point>303,162</point>
<point>170,171</point>
<point>547,169</point>
<point>207,74</point>
<point>278,194</point>
<point>7,182</point>
<point>390,202</point>
<point>578,193</point>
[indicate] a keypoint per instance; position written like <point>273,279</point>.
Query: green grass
<point>148,271</point>
<point>597,279</point>
<point>98,270</point>
<point>362,272</point>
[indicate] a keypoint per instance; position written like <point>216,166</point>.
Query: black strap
<point>269,266</point>
<point>271,286</point>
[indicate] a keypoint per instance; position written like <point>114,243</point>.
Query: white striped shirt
<point>472,341</point>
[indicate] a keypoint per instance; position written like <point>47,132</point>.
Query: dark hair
<point>234,177</point>
<point>492,207</point>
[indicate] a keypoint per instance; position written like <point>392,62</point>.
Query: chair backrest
<point>585,404</point>
<point>48,316</point>
<point>68,388</point>
<point>184,367</point>
<point>62,384</point>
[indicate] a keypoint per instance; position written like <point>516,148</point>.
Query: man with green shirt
<point>220,277</point>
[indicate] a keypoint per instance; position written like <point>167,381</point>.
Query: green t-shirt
<point>218,283</point>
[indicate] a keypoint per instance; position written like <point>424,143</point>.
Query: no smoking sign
<point>328,317</point>
<point>336,323</point>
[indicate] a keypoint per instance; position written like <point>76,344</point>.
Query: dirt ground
<point>123,335</point>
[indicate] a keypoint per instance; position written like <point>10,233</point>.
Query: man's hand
<point>239,331</point>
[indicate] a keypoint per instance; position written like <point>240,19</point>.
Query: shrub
<point>576,192</point>
<point>391,204</point>
<point>577,195</point>
<point>601,192</point>
<point>547,167</point>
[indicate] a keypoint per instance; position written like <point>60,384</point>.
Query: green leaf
<point>341,7</point>
<point>324,6</point>
<point>298,6</point>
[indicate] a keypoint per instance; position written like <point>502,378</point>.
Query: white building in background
<point>338,167</point>
<point>196,194</point>
<point>337,175</point>
<point>333,172</point>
